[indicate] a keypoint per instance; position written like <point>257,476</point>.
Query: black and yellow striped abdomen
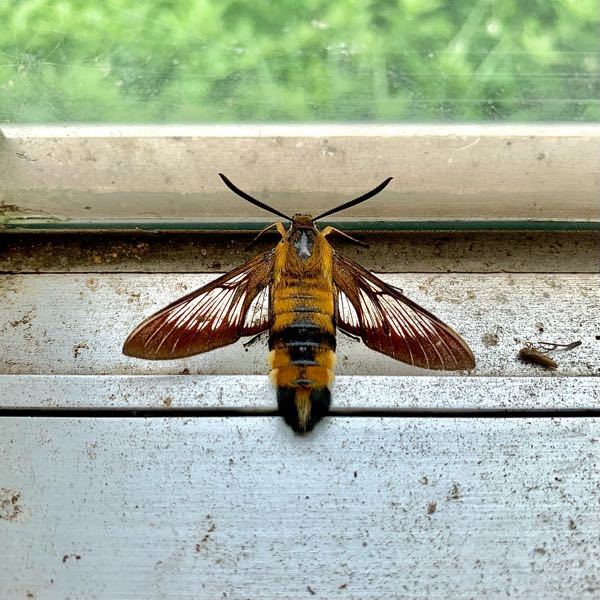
<point>302,345</point>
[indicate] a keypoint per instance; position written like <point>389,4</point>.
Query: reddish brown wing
<point>387,321</point>
<point>234,305</point>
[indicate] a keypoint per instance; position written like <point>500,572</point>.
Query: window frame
<point>447,176</point>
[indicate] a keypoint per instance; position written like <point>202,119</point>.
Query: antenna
<point>250,199</point>
<point>356,201</point>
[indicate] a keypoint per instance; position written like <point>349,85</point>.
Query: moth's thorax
<point>303,250</point>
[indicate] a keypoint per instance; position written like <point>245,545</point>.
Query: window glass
<point>220,61</point>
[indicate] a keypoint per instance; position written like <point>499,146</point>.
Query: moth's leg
<point>352,337</point>
<point>280,229</point>
<point>252,340</point>
<point>329,230</point>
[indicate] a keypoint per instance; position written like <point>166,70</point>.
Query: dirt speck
<point>572,525</point>
<point>355,474</point>
<point>310,590</point>
<point>184,372</point>
<point>167,401</point>
<point>91,284</point>
<point>211,529</point>
<point>10,508</point>
<point>489,339</point>
<point>454,492</point>
<point>91,450</point>
<point>24,320</point>
<point>78,348</point>
<point>431,508</point>
<point>540,327</point>
<point>343,586</point>
<point>424,480</point>
<point>540,551</point>
<point>541,156</point>
<point>66,557</point>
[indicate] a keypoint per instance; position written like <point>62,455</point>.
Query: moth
<point>301,292</point>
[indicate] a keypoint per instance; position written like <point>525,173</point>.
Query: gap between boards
<point>193,412</point>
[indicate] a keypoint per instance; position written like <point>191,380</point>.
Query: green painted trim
<point>506,225</point>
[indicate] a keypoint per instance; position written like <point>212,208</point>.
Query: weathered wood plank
<point>201,252</point>
<point>253,392</point>
<point>76,324</point>
<point>243,508</point>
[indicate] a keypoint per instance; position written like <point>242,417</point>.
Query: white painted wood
<point>76,324</point>
<point>254,393</point>
<point>82,175</point>
<point>242,508</point>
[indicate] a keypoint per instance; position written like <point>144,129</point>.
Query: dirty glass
<point>221,61</point>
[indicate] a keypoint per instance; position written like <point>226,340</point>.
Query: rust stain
<point>10,508</point>
<point>167,401</point>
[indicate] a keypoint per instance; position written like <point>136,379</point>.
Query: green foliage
<point>167,61</point>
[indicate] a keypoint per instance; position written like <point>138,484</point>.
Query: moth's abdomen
<point>302,357</point>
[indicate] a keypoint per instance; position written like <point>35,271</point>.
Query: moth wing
<point>232,306</point>
<point>389,322</point>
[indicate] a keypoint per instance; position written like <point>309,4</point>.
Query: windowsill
<point>453,177</point>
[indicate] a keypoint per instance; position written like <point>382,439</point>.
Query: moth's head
<point>302,221</point>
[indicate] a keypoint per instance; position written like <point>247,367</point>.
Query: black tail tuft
<point>303,408</point>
